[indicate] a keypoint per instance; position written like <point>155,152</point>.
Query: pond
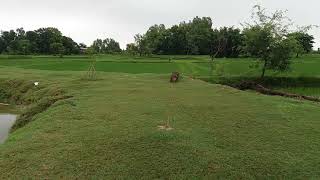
<point>8,117</point>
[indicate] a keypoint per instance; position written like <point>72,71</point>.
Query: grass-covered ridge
<point>109,129</point>
<point>32,99</point>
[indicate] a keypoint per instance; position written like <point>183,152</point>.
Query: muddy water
<point>7,119</point>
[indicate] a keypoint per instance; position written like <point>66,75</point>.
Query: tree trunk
<point>211,69</point>
<point>264,69</point>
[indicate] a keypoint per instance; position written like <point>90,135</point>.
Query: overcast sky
<point>86,20</point>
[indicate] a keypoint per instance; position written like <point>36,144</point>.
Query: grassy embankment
<point>110,126</point>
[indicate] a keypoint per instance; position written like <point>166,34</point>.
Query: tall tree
<point>46,37</point>
<point>141,44</point>
<point>70,46</point>
<point>32,37</point>
<point>175,41</point>
<point>233,41</point>
<point>3,45</point>
<point>106,46</point>
<point>7,38</point>
<point>111,46</point>
<point>98,46</point>
<point>155,38</point>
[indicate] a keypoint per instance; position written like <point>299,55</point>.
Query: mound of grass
<point>34,99</point>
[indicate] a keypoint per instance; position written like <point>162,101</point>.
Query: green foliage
<point>142,44</point>
<point>304,42</point>
<point>91,51</point>
<point>132,49</point>
<point>36,42</point>
<point>267,40</point>
<point>190,38</point>
<point>198,33</point>
<point>70,47</point>
<point>57,49</point>
<point>107,46</point>
<point>232,42</point>
<point>154,37</point>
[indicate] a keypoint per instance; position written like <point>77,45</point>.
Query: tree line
<point>50,41</point>
<point>41,41</point>
<point>197,37</point>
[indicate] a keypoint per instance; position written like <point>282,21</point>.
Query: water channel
<point>8,116</point>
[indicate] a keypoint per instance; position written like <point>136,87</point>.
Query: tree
<point>111,46</point>
<point>198,35</point>
<point>33,42</point>
<point>32,37</point>
<point>91,51</point>
<point>175,40</point>
<point>304,40</point>
<point>91,73</point>
<point>24,47</point>
<point>266,39</point>
<point>155,38</point>
<point>3,45</point>
<point>70,46</point>
<point>47,37</point>
<point>98,46</point>
<point>57,49</point>
<point>217,46</point>
<point>7,37</point>
<point>193,37</point>
<point>107,46</point>
<point>132,49</point>
<point>142,45</point>
<point>233,40</point>
<point>82,45</point>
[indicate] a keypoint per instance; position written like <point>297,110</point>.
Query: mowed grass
<point>302,78</point>
<point>109,130</point>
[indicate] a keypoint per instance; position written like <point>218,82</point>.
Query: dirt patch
<point>165,128</point>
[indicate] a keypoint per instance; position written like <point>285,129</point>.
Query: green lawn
<point>109,129</point>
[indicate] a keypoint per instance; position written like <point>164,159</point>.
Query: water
<point>7,119</point>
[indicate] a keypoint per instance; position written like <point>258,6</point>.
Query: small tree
<point>266,39</point>
<point>218,44</point>
<point>91,73</point>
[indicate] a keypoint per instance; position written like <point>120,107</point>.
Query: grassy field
<point>110,127</point>
<point>302,78</point>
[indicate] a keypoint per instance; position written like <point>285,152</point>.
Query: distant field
<point>303,77</point>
